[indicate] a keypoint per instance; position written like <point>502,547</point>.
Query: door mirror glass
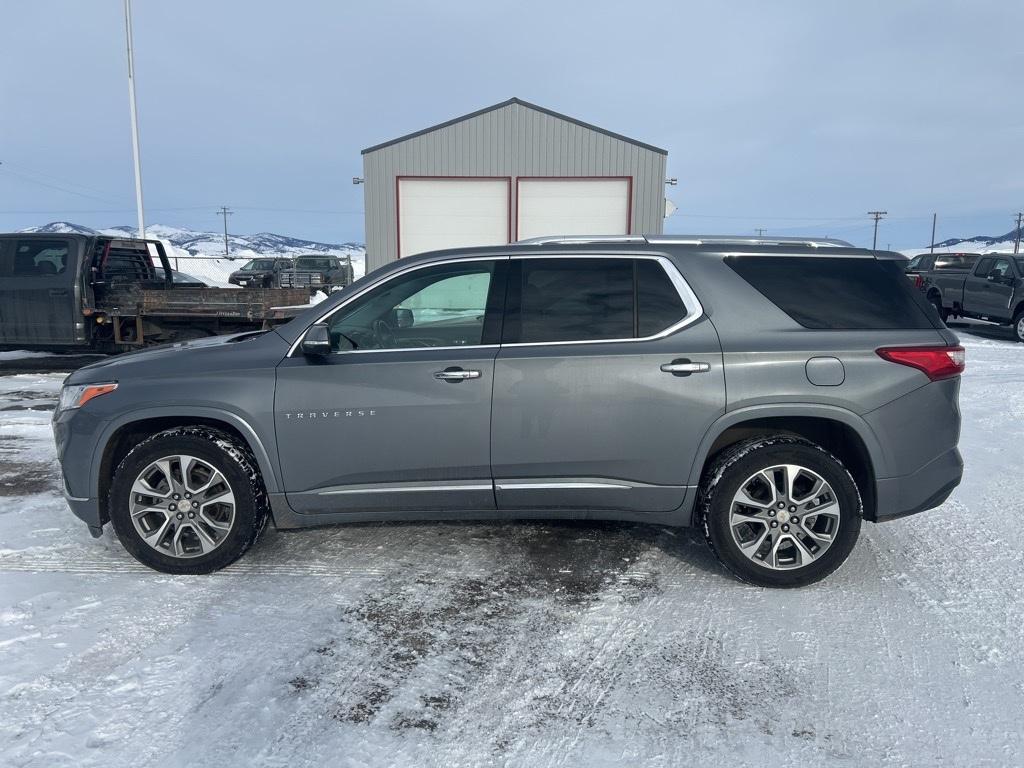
<point>404,318</point>
<point>317,341</point>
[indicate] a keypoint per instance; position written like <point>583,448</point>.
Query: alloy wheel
<point>784,517</point>
<point>182,506</point>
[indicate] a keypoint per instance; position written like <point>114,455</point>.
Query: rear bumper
<point>921,490</point>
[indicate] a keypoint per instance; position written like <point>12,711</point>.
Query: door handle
<point>455,375</point>
<point>685,367</point>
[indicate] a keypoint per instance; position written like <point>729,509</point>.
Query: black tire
<point>234,461</point>
<point>1018,326</point>
<point>733,466</point>
<point>936,301</point>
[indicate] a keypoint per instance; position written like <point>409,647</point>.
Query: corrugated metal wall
<point>514,140</point>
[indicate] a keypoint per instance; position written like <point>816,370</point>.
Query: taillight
<point>918,281</point>
<point>936,362</point>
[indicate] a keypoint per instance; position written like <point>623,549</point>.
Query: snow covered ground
<point>518,644</point>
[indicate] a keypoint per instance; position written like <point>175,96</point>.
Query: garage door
<point>572,207</point>
<point>451,213</point>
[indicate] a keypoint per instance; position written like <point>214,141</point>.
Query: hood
<point>200,356</point>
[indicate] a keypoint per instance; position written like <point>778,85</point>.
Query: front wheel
<point>188,500</point>
<point>1018,326</point>
<point>780,511</point>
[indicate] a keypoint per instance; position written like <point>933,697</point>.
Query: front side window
<point>442,306</point>
<point>555,300</point>
<point>984,265</point>
<point>1001,269</point>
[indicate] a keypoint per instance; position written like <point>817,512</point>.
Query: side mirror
<point>317,341</point>
<point>404,318</point>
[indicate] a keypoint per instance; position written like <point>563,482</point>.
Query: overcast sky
<point>792,116</point>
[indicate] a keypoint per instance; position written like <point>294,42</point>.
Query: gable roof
<point>521,103</point>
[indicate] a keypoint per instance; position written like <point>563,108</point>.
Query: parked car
<point>260,273</point>
<point>74,291</point>
<point>992,291</point>
<point>917,267</point>
<point>542,380</point>
<point>182,278</point>
<point>319,273</point>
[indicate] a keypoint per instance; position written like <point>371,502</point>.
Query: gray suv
<point>773,392</point>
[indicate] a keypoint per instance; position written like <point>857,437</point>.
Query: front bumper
<point>88,511</point>
<point>924,489</point>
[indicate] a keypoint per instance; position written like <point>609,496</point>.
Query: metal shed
<point>506,173</point>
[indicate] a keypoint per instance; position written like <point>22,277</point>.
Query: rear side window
<point>658,302</point>
<point>962,261</point>
<point>573,300</point>
<point>836,293</point>
<point>581,299</point>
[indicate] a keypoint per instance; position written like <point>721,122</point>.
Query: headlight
<point>77,395</point>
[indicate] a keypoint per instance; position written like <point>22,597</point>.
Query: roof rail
<point>814,242</point>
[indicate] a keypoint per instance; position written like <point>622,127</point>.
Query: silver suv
<point>774,393</point>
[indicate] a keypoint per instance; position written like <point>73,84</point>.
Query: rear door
<point>39,303</point>
<point>607,378</point>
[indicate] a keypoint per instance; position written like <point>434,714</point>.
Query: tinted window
<point>658,301</point>
<point>955,261</point>
<point>984,265</point>
<point>916,263</point>
<point>431,307</point>
<point>39,258</point>
<point>570,300</point>
<point>1001,268</point>
<point>313,263</point>
<point>835,293</point>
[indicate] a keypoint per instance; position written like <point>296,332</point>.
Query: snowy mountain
<point>201,254</point>
<point>980,243</point>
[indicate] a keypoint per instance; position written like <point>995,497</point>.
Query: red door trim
<point>398,218</point>
<point>629,193</point>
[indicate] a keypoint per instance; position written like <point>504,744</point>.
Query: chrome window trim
<point>694,309</point>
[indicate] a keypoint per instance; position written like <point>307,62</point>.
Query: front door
<point>996,292</point>
<point>38,303</point>
<point>607,379</point>
<point>398,416</point>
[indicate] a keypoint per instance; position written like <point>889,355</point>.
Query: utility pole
<point>1016,241</point>
<point>760,232</point>
<point>935,218</point>
<point>135,118</point>
<point>225,212</point>
<point>877,215</point>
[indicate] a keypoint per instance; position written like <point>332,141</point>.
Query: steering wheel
<point>383,334</point>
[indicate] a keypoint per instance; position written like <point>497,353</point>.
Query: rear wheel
<point>188,500</point>
<point>779,511</point>
<point>1018,326</point>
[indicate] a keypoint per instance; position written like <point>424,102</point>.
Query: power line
<point>225,212</point>
<point>877,216</point>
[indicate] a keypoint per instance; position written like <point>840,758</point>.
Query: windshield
<point>258,265</point>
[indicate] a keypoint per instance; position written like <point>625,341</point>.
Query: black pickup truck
<point>70,291</point>
<point>318,273</point>
<point>992,290</point>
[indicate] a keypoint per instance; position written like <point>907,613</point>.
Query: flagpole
<point>135,118</point>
